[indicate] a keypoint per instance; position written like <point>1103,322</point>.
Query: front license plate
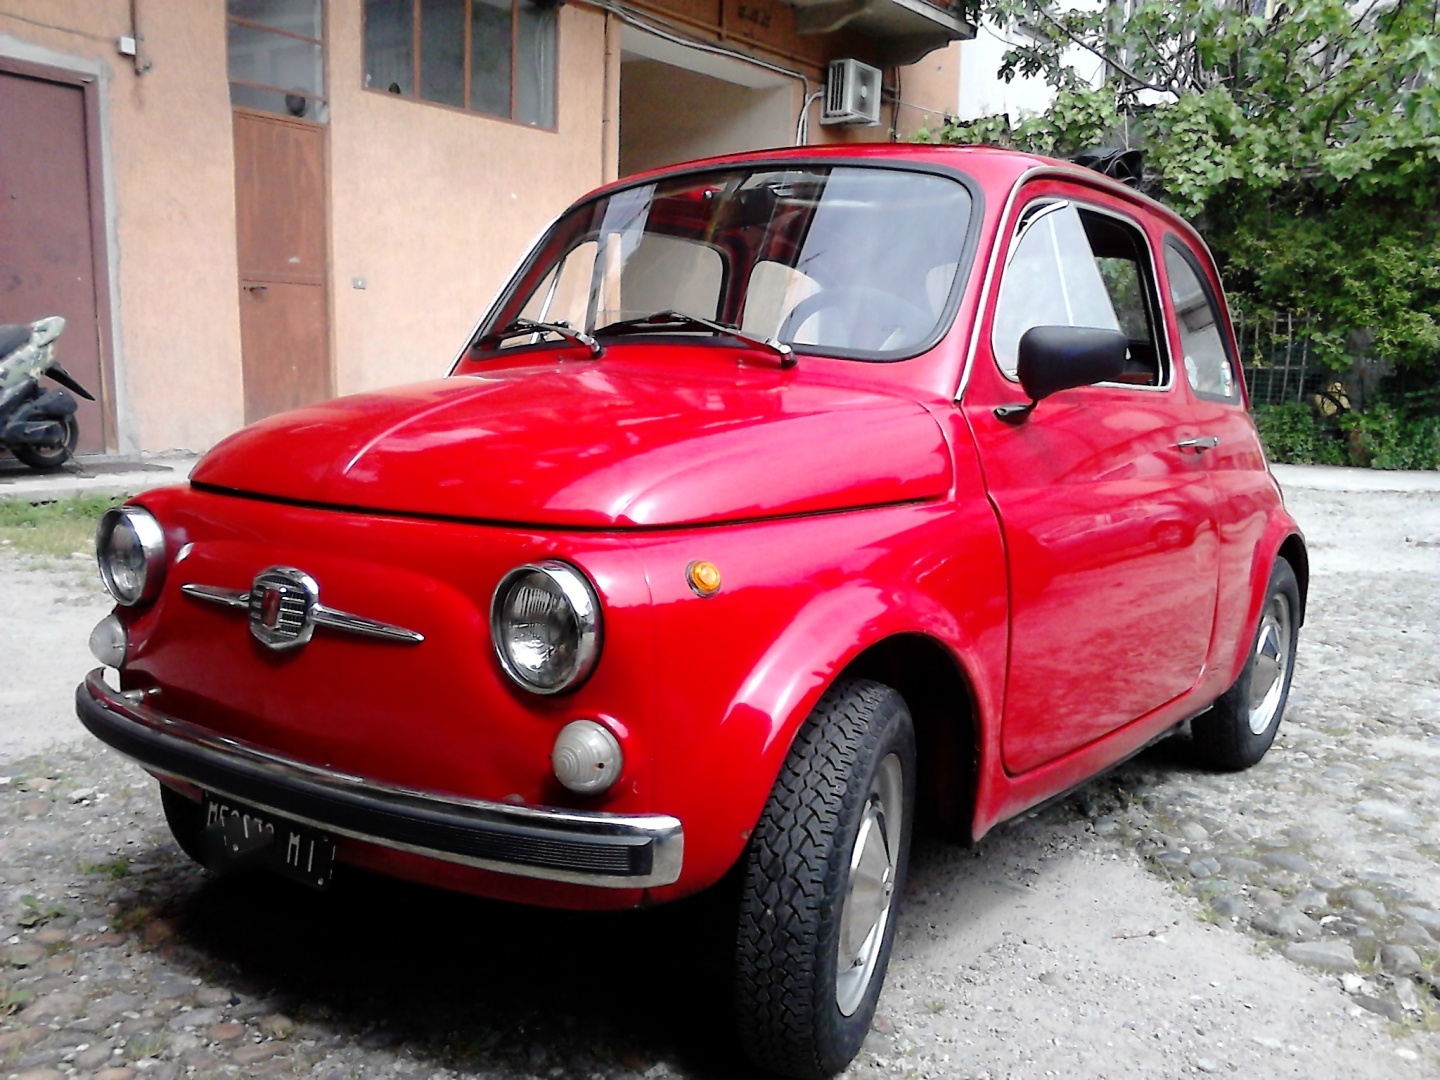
<point>236,837</point>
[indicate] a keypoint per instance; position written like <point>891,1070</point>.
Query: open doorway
<point>678,103</point>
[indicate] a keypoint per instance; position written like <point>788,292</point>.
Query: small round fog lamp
<point>109,642</point>
<point>587,757</point>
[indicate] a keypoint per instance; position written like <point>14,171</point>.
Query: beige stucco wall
<point>170,206</point>
<point>929,90</point>
<point>433,206</point>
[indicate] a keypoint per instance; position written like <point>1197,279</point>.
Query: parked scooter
<point>37,424</point>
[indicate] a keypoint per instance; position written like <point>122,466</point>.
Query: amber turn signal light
<point>704,577</point>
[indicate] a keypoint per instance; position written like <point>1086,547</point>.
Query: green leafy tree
<point>1302,138</point>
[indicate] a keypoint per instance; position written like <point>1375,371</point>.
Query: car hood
<point>594,446</point>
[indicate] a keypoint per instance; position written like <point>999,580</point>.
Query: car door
<point>1244,495</point>
<point>1110,543</point>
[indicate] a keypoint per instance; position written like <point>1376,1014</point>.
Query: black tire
<point>183,817</point>
<point>1238,729</point>
<point>50,458</point>
<point>799,1012</point>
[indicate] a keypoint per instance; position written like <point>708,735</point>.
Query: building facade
<point>240,207</point>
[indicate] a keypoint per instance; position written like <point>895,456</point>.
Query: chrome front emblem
<point>283,608</point>
<point>282,605</point>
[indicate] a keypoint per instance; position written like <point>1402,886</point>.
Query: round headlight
<point>130,546</point>
<point>545,620</point>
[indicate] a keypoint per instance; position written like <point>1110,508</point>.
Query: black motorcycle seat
<point>12,336</point>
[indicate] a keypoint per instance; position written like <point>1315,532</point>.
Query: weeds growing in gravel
<point>144,1046</point>
<point>1209,914</point>
<point>55,528</point>
<point>132,919</point>
<point>39,912</point>
<point>14,998</point>
<point>113,868</point>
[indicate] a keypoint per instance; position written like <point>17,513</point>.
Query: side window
<point>1071,266</point>
<point>1207,364</point>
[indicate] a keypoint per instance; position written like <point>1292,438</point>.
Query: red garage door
<point>48,254</point>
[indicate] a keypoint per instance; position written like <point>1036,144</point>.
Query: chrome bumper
<point>618,851</point>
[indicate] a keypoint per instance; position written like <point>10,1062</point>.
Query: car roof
<point>996,169</point>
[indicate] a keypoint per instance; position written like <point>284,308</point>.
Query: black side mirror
<point>1055,358</point>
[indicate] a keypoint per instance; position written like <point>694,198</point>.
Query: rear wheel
<point>822,883</point>
<point>1238,729</point>
<point>50,456</point>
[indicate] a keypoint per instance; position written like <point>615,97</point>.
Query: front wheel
<point>185,818</point>
<point>822,882</point>
<point>50,456</point>
<point>1238,729</point>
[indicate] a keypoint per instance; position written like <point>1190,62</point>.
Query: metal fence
<point>1275,355</point>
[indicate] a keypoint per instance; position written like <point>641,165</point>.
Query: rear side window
<point>1072,266</point>
<point>1208,365</point>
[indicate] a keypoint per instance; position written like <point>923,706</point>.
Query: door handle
<point>1199,444</point>
<point>256,288</point>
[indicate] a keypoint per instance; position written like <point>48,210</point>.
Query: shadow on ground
<point>460,982</point>
<point>482,987</point>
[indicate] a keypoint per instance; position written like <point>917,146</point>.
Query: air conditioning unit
<point>852,93</point>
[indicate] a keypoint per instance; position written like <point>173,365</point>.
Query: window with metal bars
<point>495,57</point>
<point>277,56</point>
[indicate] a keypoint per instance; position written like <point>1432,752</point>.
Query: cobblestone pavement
<point>1317,873</point>
<point>1331,846</point>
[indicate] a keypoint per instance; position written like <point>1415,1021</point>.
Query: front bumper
<point>626,851</point>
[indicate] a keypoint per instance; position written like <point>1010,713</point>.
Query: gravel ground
<point>1164,922</point>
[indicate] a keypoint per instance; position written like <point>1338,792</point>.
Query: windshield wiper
<point>661,321</point>
<point>533,326</point>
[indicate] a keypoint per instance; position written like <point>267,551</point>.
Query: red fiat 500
<point>780,502</point>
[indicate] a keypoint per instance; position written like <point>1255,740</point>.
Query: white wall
<point>983,93</point>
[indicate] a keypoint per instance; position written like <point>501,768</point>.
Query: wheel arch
<point>933,628</point>
<point>1283,541</point>
<point>943,708</point>
<point>1292,550</point>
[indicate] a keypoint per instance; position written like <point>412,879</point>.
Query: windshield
<point>846,261</point>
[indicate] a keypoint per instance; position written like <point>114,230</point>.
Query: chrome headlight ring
<point>546,627</point>
<point>130,548</point>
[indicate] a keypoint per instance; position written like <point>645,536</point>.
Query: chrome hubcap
<point>870,891</point>
<point>1270,666</point>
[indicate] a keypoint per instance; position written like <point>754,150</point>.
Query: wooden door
<point>49,264</point>
<point>280,219</point>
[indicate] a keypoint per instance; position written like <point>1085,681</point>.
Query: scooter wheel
<point>51,457</point>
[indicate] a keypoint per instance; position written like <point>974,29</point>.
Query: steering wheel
<point>870,318</point>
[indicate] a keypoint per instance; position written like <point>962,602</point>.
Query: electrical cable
<point>895,110</point>
<point>802,126</point>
